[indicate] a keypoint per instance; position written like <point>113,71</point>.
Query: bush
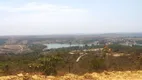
<point>97,64</point>
<point>49,64</point>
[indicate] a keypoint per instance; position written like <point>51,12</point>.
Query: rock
<point>35,77</point>
<point>20,75</point>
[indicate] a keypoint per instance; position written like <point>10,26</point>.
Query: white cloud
<point>41,12</point>
<point>40,7</point>
<point>32,17</point>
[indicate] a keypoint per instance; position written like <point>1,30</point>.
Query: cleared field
<point>114,75</point>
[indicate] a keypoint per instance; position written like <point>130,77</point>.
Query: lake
<point>139,44</point>
<point>56,45</point>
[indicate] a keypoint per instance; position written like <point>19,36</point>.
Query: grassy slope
<point>115,75</point>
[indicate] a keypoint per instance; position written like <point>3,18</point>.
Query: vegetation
<point>111,75</point>
<point>59,61</point>
<point>49,64</point>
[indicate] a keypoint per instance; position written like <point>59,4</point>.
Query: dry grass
<point>114,75</point>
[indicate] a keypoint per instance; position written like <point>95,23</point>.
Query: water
<point>56,45</point>
<point>139,44</point>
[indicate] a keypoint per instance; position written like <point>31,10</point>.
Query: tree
<point>105,54</point>
<point>97,63</point>
<point>6,68</point>
<point>49,64</point>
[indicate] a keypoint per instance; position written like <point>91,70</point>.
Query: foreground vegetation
<point>114,75</point>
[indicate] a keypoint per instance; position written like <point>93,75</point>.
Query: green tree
<point>50,63</point>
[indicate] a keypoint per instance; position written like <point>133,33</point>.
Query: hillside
<point>114,75</point>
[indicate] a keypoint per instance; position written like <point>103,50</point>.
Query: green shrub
<point>97,64</point>
<point>49,64</point>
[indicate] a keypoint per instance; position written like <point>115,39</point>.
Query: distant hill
<point>72,35</point>
<point>121,35</point>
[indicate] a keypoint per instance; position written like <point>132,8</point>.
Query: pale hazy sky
<point>23,17</point>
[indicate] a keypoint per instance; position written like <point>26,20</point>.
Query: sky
<point>43,17</point>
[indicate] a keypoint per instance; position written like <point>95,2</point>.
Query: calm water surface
<point>56,45</point>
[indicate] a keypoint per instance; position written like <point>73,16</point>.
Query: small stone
<point>35,77</point>
<point>20,75</point>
